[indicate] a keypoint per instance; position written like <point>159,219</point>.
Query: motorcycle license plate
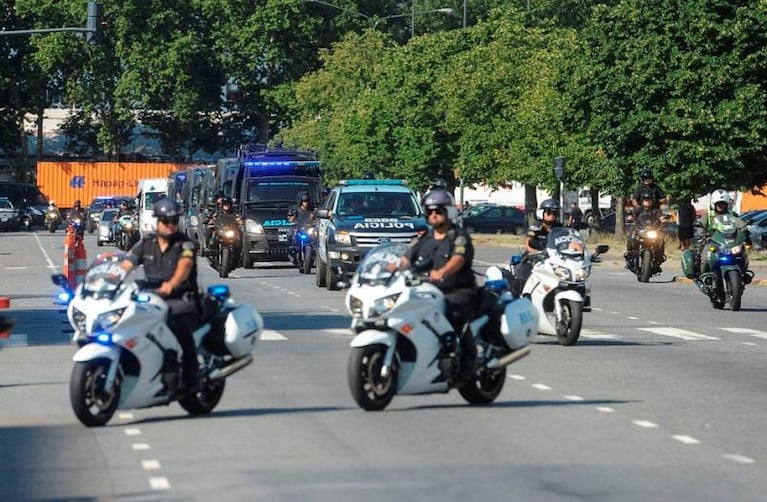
<point>282,238</point>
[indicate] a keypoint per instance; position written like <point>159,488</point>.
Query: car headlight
<point>194,221</point>
<point>78,318</point>
<point>344,238</point>
<point>562,273</point>
<point>253,227</point>
<point>582,273</point>
<point>383,305</point>
<point>107,320</point>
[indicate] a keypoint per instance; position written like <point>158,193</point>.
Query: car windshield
<point>280,190</point>
<point>379,204</point>
<point>108,215</point>
<point>104,276</point>
<point>380,263</point>
<point>5,204</point>
<point>567,242</point>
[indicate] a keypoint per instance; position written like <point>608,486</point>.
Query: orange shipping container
<point>65,182</point>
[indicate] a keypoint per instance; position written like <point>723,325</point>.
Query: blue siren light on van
<point>282,167</point>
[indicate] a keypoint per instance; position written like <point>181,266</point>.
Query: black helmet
<point>551,205</point>
<point>226,200</point>
<point>439,184</point>
<point>646,174</point>
<point>166,208</point>
<point>78,203</point>
<point>303,196</point>
<point>436,199</point>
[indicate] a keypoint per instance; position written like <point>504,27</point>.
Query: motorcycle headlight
<point>651,234</point>
<point>228,234</point>
<point>344,238</point>
<point>355,306</point>
<point>253,227</point>
<point>310,231</point>
<point>128,226</point>
<point>79,320</point>
<point>736,249</point>
<point>562,273</point>
<point>108,319</point>
<point>383,305</point>
<point>194,221</point>
<point>582,273</point>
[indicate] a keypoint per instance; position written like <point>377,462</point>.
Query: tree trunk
<point>620,220</point>
<point>531,204</point>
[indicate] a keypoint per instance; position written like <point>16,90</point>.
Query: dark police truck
<point>266,185</point>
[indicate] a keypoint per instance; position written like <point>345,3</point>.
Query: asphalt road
<point>661,399</point>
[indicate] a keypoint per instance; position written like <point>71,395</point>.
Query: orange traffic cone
<point>81,260</point>
<point>69,256</point>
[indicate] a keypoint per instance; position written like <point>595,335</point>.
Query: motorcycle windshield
<point>726,230</point>
<point>104,276</point>
<point>381,263</point>
<point>226,220</point>
<point>566,242</point>
<point>646,222</point>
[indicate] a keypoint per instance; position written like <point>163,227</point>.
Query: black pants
<point>460,305</point>
<point>182,319</point>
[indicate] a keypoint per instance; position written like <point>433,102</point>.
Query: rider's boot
<point>468,356</point>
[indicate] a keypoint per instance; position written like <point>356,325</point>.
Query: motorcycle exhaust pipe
<point>219,373</point>
<point>509,358</point>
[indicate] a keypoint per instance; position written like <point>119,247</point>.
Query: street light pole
<point>465,11</point>
<point>412,22</point>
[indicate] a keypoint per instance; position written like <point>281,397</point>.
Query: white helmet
<point>719,195</point>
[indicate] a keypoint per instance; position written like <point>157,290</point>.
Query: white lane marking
<point>596,335</point>
<point>17,340</point>
<point>270,334</point>
<point>45,253</point>
<point>606,409</point>
<point>645,423</point>
<point>517,377</point>
<point>686,439</point>
<point>159,483</point>
<point>682,334</point>
<point>150,465</point>
<point>633,318</point>
<point>749,343</point>
<point>574,398</point>
<point>133,432</point>
<point>125,416</point>
<point>747,331</point>
<point>613,312</point>
<point>140,446</point>
<point>596,309</point>
<point>338,331</point>
<point>235,276</point>
<point>541,386</point>
<point>739,458</point>
<point>16,268</point>
<point>653,322</point>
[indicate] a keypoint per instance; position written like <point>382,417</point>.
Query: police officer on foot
<point>451,252</point>
<point>169,256</point>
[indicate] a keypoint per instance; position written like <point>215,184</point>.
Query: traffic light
<point>93,24</point>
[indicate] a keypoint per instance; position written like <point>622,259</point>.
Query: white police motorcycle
<point>559,285</point>
<point>405,344</point>
<point>129,357</point>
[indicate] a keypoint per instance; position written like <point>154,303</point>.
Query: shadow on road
<point>521,404</point>
<point>248,412</point>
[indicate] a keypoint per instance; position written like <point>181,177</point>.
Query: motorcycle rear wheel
<point>645,267</point>
<point>204,400</point>
<point>569,326</point>
<point>370,390</point>
<point>485,388</point>
<point>734,289</point>
<point>91,404</point>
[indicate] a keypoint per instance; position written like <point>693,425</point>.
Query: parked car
<point>9,215</point>
<point>104,235</point>
<point>757,229</point>
<point>489,217</point>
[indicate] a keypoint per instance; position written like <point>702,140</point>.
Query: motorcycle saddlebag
<point>688,264</point>
<point>519,323</point>
<point>243,329</point>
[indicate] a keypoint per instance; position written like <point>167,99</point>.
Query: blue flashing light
<point>219,291</point>
<point>142,298</point>
<point>303,236</point>
<point>282,167</point>
<point>497,285</point>
<point>372,182</point>
<point>104,338</point>
<point>64,296</point>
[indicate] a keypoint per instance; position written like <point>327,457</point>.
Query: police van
<point>357,216</point>
<point>265,187</point>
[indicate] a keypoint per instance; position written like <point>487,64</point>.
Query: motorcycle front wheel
<point>484,388</point>
<point>92,405</point>
<point>204,400</point>
<point>52,227</point>
<point>370,390</point>
<point>307,260</point>
<point>734,289</point>
<point>645,268</point>
<point>223,262</point>
<point>569,325</point>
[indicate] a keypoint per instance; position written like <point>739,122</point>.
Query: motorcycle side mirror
<point>515,259</point>
<point>602,248</point>
<point>60,280</point>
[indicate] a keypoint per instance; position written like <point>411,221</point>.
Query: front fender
<point>374,337</point>
<point>97,351</point>
<point>569,294</point>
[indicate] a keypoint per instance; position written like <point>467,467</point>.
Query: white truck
<point>149,191</point>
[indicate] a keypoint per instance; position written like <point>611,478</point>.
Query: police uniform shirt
<point>456,243</point>
<point>653,190</point>
<point>162,265</point>
<point>539,235</point>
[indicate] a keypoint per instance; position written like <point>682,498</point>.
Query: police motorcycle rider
<point>441,184</point>
<point>646,187</point>
<point>300,216</point>
<point>52,215</point>
<point>169,256</point>
<point>226,215</point>
<point>124,210</point>
<point>647,210</point>
<point>451,252</point>
<point>77,212</point>
<point>209,219</point>
<point>535,241</point>
<point>720,205</point>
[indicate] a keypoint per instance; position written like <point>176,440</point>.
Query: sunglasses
<point>549,211</point>
<point>436,210</point>
<point>169,221</point>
